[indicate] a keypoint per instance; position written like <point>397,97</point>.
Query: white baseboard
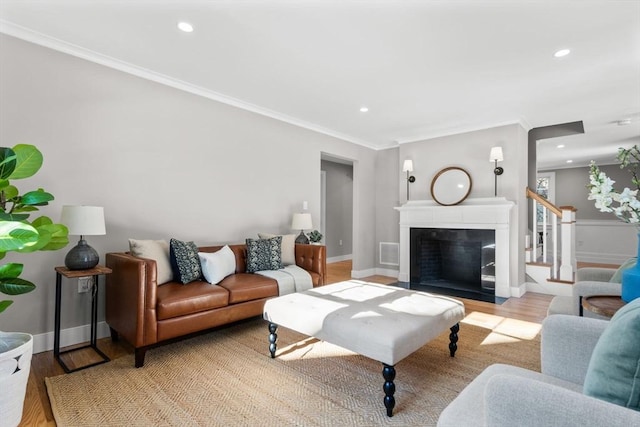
<point>518,291</point>
<point>71,336</point>
<point>387,272</point>
<point>359,274</point>
<point>339,258</point>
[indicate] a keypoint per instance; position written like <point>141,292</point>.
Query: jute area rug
<point>227,378</point>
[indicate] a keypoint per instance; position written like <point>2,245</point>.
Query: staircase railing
<point>563,261</point>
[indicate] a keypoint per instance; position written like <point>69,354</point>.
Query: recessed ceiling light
<point>561,146</point>
<point>185,26</point>
<point>561,53</point>
<point>364,109</point>
<point>569,161</point>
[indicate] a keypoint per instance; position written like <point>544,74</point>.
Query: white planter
<point>15,363</point>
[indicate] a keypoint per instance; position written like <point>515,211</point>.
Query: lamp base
<point>302,238</point>
<point>81,257</point>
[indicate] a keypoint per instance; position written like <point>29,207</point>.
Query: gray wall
<point>339,208</point>
<point>571,189</point>
<point>164,163</point>
<point>389,173</point>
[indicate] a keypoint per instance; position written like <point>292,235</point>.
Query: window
<point>545,186</point>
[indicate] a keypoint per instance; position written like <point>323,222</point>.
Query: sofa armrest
<point>594,274</point>
<point>313,258</point>
<point>567,344</point>
<point>130,306</point>
<point>511,400</point>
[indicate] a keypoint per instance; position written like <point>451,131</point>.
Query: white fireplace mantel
<point>481,213</point>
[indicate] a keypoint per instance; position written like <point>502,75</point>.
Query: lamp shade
<point>301,221</point>
<point>84,220</point>
<point>407,166</point>
<point>496,154</point>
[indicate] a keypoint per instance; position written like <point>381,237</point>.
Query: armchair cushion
<point>562,332</point>
<point>614,370</point>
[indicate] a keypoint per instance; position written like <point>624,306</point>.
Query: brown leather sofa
<point>147,315</point>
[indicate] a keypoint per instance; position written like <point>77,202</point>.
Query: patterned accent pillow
<point>184,261</point>
<point>264,254</point>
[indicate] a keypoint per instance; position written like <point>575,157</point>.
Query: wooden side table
<point>73,274</point>
<point>604,305</point>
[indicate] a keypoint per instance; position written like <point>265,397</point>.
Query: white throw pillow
<point>157,250</point>
<point>217,265</point>
<point>288,246</point>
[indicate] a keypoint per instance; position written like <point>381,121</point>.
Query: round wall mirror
<point>451,186</point>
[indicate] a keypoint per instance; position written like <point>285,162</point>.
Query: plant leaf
<point>41,220</point>
<point>58,236</point>
<point>38,198</point>
<point>7,162</point>
<point>11,270</point>
<point>16,235</point>
<point>13,217</point>
<point>25,209</point>
<point>28,162</point>
<point>10,191</point>
<point>4,304</point>
<point>15,286</point>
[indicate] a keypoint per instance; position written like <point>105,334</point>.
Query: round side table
<point>604,305</point>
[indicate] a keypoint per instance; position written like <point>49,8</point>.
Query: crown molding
<point>465,129</point>
<point>53,43</point>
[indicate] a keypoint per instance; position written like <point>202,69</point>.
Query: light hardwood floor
<point>37,410</point>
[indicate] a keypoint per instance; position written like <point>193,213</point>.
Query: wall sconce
<point>83,221</point>
<point>408,167</point>
<point>496,156</point>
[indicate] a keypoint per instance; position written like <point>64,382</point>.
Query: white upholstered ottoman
<point>384,323</point>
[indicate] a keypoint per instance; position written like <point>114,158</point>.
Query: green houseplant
<point>628,208</point>
<point>315,236</point>
<point>19,234</point>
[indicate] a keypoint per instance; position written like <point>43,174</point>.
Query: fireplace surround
<point>455,259</point>
<point>492,214</point>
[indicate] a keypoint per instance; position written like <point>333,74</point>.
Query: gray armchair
<point>508,396</point>
<point>589,281</point>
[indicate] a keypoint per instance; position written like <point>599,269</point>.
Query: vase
<point>15,363</point>
<point>631,280</point>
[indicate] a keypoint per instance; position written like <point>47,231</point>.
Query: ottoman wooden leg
<point>272,339</point>
<point>389,374</point>
<point>453,339</point>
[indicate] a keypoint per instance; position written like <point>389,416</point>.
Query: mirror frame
<point>439,175</point>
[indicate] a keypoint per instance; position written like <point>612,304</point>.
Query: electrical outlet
<point>340,242</point>
<point>84,284</point>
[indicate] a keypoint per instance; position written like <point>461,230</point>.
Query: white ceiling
<point>423,68</point>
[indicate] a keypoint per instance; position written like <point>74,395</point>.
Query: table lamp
<point>83,221</point>
<point>301,221</point>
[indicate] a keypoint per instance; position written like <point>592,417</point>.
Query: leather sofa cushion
<point>246,287</point>
<point>175,299</point>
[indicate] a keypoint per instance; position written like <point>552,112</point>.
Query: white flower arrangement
<point>602,191</point>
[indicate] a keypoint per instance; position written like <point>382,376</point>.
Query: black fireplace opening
<point>458,262</point>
